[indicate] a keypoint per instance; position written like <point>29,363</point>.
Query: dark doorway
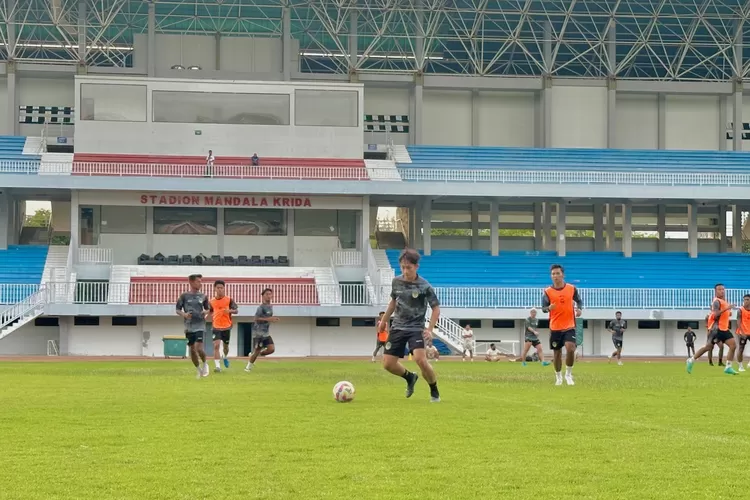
<point>244,338</point>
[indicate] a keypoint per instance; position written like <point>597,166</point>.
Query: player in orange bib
<point>382,338</point>
<point>743,329</point>
<point>721,311</point>
<point>221,309</point>
<point>563,303</point>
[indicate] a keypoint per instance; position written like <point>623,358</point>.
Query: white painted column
<point>286,44</point>
<point>737,229</point>
<point>598,227</point>
<point>365,235</point>
<point>220,232</point>
<point>474,226</point>
<point>611,114</point>
<point>427,227</point>
<point>611,208</point>
<point>561,215</point>
<point>737,113</point>
<point>82,29</point>
<point>723,122</point>
<point>661,122</point>
<point>627,229</point>
<point>661,227</point>
<point>418,226</point>
<point>475,118</point>
<point>290,237</point>
<point>538,216</point>
<point>415,122</point>
<point>151,40</point>
<point>722,228</point>
<point>353,17</point>
<point>547,227</point>
<point>150,231</point>
<point>6,220</point>
<point>494,227</point>
<point>75,224</point>
<point>693,229</point>
<point>12,114</point>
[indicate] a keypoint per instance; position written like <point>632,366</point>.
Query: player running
<point>261,338</point>
<point>382,337</point>
<point>221,309</point>
<point>410,296</point>
<point>468,342</point>
<point>719,321</point>
<point>711,340</point>
<point>617,329</point>
<point>689,338</point>
<point>564,305</point>
<point>192,306</point>
<point>743,329</point>
<point>531,338</point>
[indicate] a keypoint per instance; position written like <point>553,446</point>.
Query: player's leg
<point>217,350</point>
<point>540,353</point>
<point>526,347</point>
<point>378,345</point>
<point>703,350</point>
<point>392,355</point>
<point>741,342</point>
<point>226,336</point>
<point>201,351</point>
<point>570,355</point>
<point>556,344</point>
<point>728,339</point>
<point>721,352</point>
<point>194,353</point>
<point>420,357</point>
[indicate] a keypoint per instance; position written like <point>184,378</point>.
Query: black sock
<point>406,376</point>
<point>434,389</point>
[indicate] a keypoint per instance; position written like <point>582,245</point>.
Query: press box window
<point>124,321</point>
<point>86,321</point>
<point>473,323</point>
<point>367,322</point>
<point>649,325</point>
<point>327,322</point>
<point>503,323</point>
<point>684,325</point>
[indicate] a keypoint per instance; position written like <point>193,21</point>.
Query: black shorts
<point>712,338</point>
<point>194,337</point>
<point>690,344</point>
<point>534,343</point>
<point>263,342</point>
<point>723,335</point>
<point>617,343</point>
<point>398,340</point>
<point>223,335</point>
<point>558,338</point>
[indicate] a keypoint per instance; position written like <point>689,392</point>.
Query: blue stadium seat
<point>617,160</point>
<point>459,268</point>
<point>12,159</point>
<point>20,265</point>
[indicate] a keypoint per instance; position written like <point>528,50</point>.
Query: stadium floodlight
<point>195,68</point>
<point>178,67</point>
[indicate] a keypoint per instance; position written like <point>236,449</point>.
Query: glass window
<point>113,103</point>
<point>184,220</point>
<point>347,224</point>
<point>315,223</point>
<point>122,220</point>
<point>326,108</point>
<point>224,108</point>
<point>251,221</point>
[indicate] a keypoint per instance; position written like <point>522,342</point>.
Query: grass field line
<point>676,431</point>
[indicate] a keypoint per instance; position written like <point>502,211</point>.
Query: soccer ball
<point>343,392</point>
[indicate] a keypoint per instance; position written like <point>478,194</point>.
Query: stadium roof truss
<point>673,40</point>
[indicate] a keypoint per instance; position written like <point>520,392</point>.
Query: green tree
<point>40,218</point>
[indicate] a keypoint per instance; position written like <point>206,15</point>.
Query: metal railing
<point>346,258</point>
<point>167,292</point>
<point>92,254</point>
<point>508,174</point>
<point>35,301</point>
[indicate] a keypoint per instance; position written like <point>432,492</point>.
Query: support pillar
<point>475,117</point>
<point>427,227</point>
<point>545,115</point>
<point>561,215</point>
<point>474,226</point>
<point>738,87</point>
<point>693,229</point>
<point>538,216</point>
<point>415,121</point>
<point>290,223</point>
<point>151,40</point>
<point>364,236</point>
<point>627,229</point>
<point>611,113</point>
<point>6,220</point>
<point>736,229</point>
<point>661,122</point>
<point>661,227</point>
<point>217,50</point>
<point>494,227</point>
<point>723,228</point>
<point>82,50</point>
<point>723,122</point>
<point>547,227</point>
<point>413,227</point>
<point>220,231</point>
<point>12,114</point>
<point>598,227</point>
<point>352,40</point>
<point>611,208</point>
<point>737,115</point>
<point>75,224</point>
<point>418,226</point>
<point>286,44</point>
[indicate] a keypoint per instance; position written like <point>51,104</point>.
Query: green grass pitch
<point>150,430</point>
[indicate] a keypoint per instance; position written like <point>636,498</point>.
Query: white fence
<point>90,254</point>
<point>346,258</point>
<point>508,174</point>
<point>167,292</point>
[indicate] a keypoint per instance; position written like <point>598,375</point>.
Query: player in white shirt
<point>492,354</point>
<point>432,353</point>
<point>468,341</point>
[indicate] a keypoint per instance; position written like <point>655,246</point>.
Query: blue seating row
<point>11,155</point>
<point>21,267</point>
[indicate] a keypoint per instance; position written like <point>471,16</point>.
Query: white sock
<point>216,361</point>
<point>729,364</point>
<point>558,375</point>
<point>249,364</point>
<point>568,371</point>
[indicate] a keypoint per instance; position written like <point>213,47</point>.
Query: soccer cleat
<point>730,371</point>
<point>199,373</point>
<point>742,368</point>
<point>710,363</point>
<point>569,380</point>
<point>545,363</point>
<point>609,358</point>
<point>434,399</point>
<point>248,369</point>
<point>689,365</point>
<point>373,359</point>
<point>226,362</point>
<point>619,363</point>
<point>558,381</point>
<point>217,370</point>
<point>523,364</point>
<point>410,384</point>
<point>205,370</point>
<point>721,364</point>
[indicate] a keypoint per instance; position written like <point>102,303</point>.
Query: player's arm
<point>609,327</point>
<point>546,305</point>
<point>434,303</point>
<point>740,331</point>
<point>383,325</point>
<point>232,307</point>
<point>180,308</point>
<point>578,302</point>
<point>206,305</point>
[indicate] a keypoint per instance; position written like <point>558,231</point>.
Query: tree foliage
<point>40,218</point>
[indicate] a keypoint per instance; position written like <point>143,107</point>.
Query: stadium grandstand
<point>606,136</point>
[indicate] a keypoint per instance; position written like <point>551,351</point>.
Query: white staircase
<point>383,264</point>
<point>449,332</point>
<point>56,263</point>
<point>33,146</point>
<point>22,313</point>
<point>400,154</point>
<point>329,293</point>
<point>382,170</point>
<point>119,291</point>
<point>56,164</point>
